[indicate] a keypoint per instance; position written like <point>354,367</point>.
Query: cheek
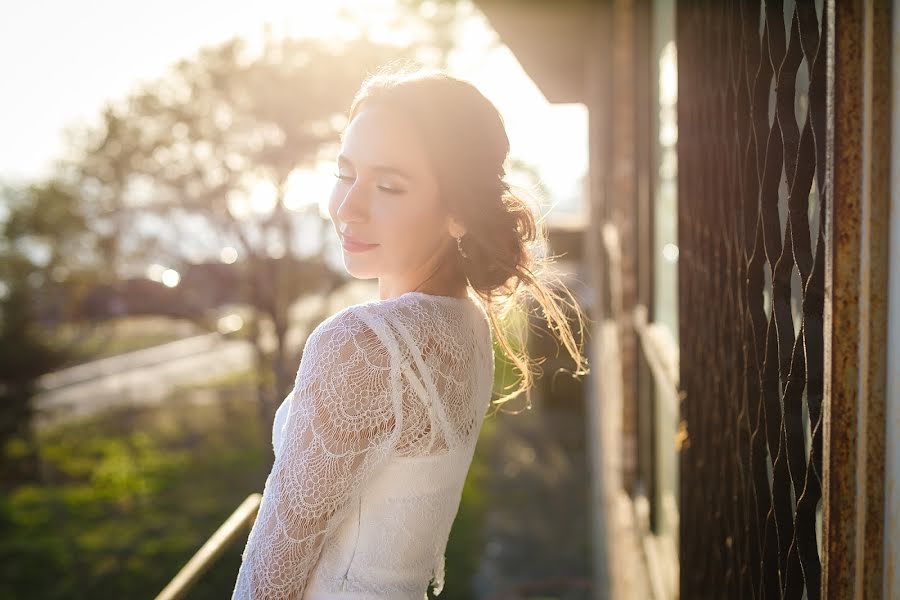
<point>395,218</point>
<point>334,201</point>
<point>410,230</point>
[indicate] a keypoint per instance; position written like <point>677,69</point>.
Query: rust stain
<point>855,311</point>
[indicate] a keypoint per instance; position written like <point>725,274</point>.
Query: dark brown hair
<point>465,138</point>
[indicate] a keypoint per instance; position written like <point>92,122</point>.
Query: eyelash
<point>384,189</point>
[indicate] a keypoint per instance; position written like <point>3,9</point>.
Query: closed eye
<point>391,190</point>
<point>388,190</point>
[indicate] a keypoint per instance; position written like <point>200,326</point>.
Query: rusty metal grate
<point>752,165</point>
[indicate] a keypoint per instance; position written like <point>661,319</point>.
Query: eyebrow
<point>382,168</point>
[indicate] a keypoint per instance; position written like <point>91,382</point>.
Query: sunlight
<point>317,19</point>
<point>228,255</point>
<point>263,198</point>
<point>259,202</point>
<point>670,252</point>
<point>229,323</point>
<point>668,95</point>
<point>168,277</point>
<point>171,278</point>
<point>537,129</point>
<point>306,187</point>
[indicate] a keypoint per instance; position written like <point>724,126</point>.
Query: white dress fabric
<point>372,447</point>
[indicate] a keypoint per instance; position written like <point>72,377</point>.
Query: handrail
<point>243,516</point>
<point>662,354</point>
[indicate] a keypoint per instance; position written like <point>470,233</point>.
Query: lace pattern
<point>379,383</point>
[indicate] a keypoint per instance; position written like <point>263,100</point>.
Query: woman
<point>373,444</point>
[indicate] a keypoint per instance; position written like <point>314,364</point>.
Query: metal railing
<point>242,518</point>
<point>752,191</point>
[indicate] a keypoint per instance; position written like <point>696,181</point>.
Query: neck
<point>447,279</point>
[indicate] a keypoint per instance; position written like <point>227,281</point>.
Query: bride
<point>374,442</point>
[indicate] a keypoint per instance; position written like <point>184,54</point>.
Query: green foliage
<point>128,496</point>
<point>467,535</point>
<point>39,225</point>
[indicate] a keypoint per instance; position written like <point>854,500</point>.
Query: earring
<point>460,248</point>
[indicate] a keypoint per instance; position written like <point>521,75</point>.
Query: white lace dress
<point>372,447</point>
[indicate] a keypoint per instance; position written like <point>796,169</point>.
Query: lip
<point>353,245</point>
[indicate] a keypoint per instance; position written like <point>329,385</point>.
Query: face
<point>386,199</point>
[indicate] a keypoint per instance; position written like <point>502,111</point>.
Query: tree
<point>40,236</point>
<point>203,159</point>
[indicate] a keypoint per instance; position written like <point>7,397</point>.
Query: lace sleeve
<point>343,420</point>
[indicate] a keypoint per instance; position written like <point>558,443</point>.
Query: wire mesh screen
<point>751,156</point>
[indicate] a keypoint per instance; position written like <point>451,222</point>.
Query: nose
<point>354,206</point>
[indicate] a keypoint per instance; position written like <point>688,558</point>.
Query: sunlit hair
<point>467,146</point>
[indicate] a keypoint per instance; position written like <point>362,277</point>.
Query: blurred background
<point>165,251</point>
<point>165,170</point>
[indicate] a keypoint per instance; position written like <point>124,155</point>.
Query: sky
<point>60,61</point>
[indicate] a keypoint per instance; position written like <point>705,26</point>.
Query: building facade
<point>744,251</point>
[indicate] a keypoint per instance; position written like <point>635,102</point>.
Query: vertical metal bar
<point>624,214</point>
<point>855,310</point>
<point>892,393</point>
<point>643,248</point>
<point>604,482</point>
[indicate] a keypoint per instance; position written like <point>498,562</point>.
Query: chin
<point>357,270</point>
